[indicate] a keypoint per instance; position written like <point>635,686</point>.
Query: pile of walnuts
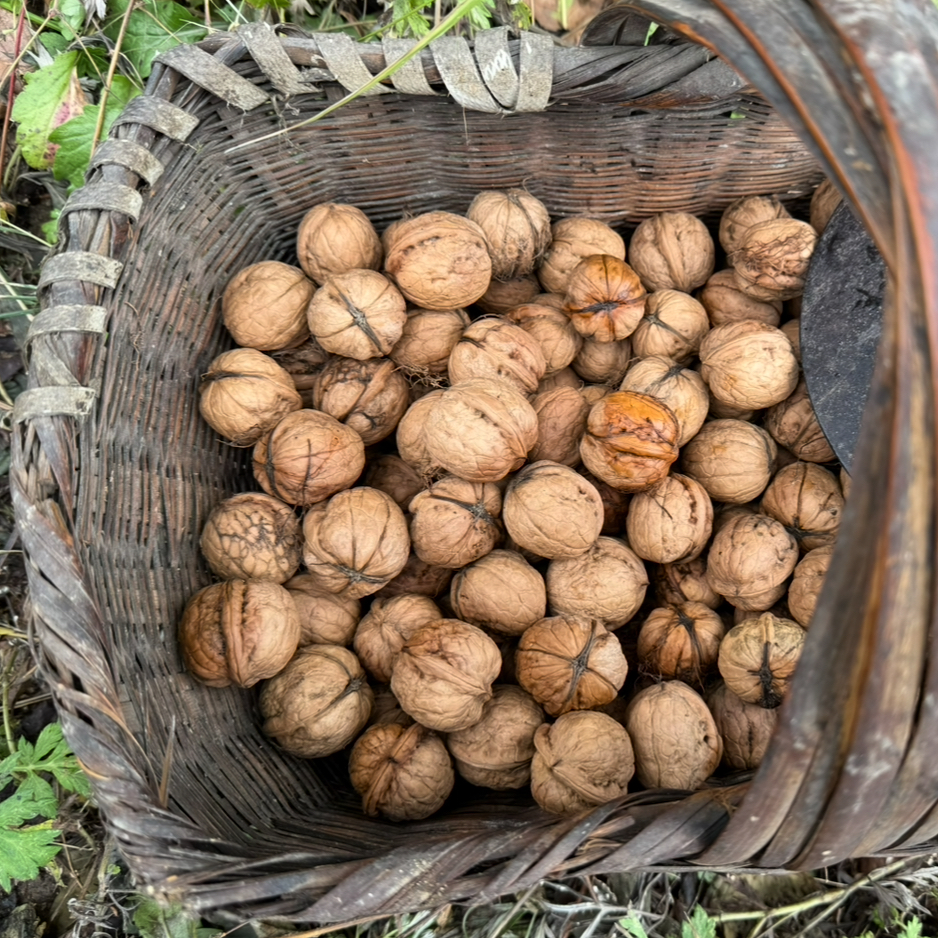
<point>532,510</point>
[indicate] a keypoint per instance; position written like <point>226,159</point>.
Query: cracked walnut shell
<point>238,632</point>
<point>681,642</point>
<point>630,440</point>
<point>680,388</point>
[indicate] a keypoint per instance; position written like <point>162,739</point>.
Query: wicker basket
<point>114,471</point>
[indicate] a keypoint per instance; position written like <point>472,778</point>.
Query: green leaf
<point>25,851</point>
<point>154,26</point>
<point>156,921</point>
<point>41,794</point>
<point>699,926</point>
<point>75,137</point>
<point>912,928</point>
<point>50,228</point>
<point>16,810</point>
<point>51,97</point>
<point>55,43</point>
<point>73,12</point>
<point>632,927</point>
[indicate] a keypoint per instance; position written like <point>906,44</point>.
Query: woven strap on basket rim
<point>897,200</point>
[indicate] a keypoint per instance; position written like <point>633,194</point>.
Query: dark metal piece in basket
<point>111,491</point>
<point>841,322</point>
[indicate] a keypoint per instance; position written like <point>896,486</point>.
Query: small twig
<point>12,93</point>
<point>112,68</point>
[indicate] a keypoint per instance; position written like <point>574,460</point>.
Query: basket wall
<point>111,501</point>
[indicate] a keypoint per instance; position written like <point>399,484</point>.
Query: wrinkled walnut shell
<point>794,425</point>
<point>516,226</point>
<point>746,729</point>
<point>672,521</point>
<point>605,300</point>
<point>334,238</point>
<point>356,542</point>
<point>806,584</point>
<point>758,658</point>
<point>583,759</point>
<point>238,632</point>
<point>572,240</point>
<point>496,752</point>
<point>672,251</point>
<point>498,350</point>
<point>673,326</point>
<point>325,619</point>
<point>675,739</point>
<point>443,675</point>
<point>318,703</point>
<point>252,536</point>
<point>630,440</point>
<point>772,259</point>
<point>806,498</point>
<point>569,663</point>
<point>681,642</point>
<point>427,339</point>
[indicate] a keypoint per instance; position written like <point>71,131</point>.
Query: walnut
<point>503,296</point>
<point>244,393</point>
<point>552,510</point>
<point>302,362</point>
<point>359,314</point>
<point>500,592</point>
<point>594,393</point>
<point>517,227</point>
<point>444,673</point>
<point>252,536</point>
<point>561,422</point>
<point>318,703</point>
<point>603,362</point>
<point>675,739</point>
<point>739,216</point>
<point>672,251</point>
<point>845,482</point>
<point>480,430</point>
<point>573,239</point>
<point>583,759</point>
<point>307,457</point>
<point>394,477</point>
<point>806,498</point>
<point>680,388</point>
<point>772,259</point>
<point>794,425</point>
<point>427,340</point>
<point>605,300</point>
<point>686,582</point>
<point>496,752</point>
<point>630,440</point>
<point>750,559</point>
<point>824,201</point>
<point>615,504</point>
<point>388,624</point>
<point>748,364</point>
<point>732,459</point>
<point>720,411</point>
<point>806,584</point>
<point>792,330</point>
<point>368,396</point>
<point>681,642</point>
<point>402,772</point>
<point>411,436</point>
<point>438,260</point>
<point>325,619</point>
<point>607,583</point>
<point>725,302</point>
<point>674,325</point>
<point>570,663</point>
<point>264,306</point>
<point>238,632</point>
<point>746,729</point>
<point>670,522</point>
<point>553,331</point>
<point>356,542</point>
<point>758,658</point>
<point>418,577</point>
<point>334,238</point>
<point>565,378</point>
<point>497,350</point>
<point>455,522</point>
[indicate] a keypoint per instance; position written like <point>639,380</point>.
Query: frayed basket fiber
<point>114,472</point>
